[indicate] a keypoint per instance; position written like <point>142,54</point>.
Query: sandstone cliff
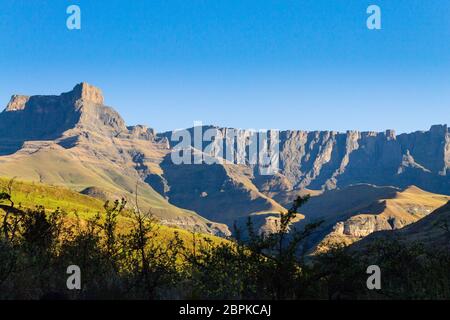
<point>325,160</point>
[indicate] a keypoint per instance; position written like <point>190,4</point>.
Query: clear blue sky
<point>301,64</point>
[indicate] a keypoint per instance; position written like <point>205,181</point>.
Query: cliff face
<point>325,160</point>
<point>49,117</point>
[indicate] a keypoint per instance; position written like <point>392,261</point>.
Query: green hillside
<point>70,169</point>
<point>31,194</point>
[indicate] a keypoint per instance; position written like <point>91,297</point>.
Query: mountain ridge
<point>324,160</point>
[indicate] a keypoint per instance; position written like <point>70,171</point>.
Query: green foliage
<point>37,246</point>
<point>31,194</point>
<point>263,266</point>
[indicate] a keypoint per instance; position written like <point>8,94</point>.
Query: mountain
<point>326,160</point>
<point>32,194</point>
<point>330,159</point>
<point>432,231</point>
<point>354,212</point>
<point>74,140</point>
<point>311,163</point>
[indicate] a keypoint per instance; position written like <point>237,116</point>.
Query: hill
<point>432,231</point>
<point>355,212</point>
<point>28,195</point>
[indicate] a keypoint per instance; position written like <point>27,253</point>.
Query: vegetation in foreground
<point>37,246</point>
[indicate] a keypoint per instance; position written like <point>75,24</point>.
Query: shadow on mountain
<point>35,118</point>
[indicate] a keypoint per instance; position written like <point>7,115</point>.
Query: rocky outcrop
<point>141,132</point>
<point>409,162</point>
<point>363,225</point>
<point>88,93</point>
<point>431,231</point>
<point>357,211</point>
<point>17,103</point>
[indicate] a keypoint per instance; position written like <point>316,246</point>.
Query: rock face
<point>87,92</point>
<point>326,160</point>
<point>48,117</point>
<point>17,103</point>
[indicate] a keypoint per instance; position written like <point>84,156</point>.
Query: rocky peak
<point>88,92</point>
<point>16,103</point>
<point>81,92</point>
<point>48,117</point>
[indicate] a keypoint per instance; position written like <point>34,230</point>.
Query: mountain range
<point>360,182</point>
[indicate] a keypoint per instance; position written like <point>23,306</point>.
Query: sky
<point>260,64</point>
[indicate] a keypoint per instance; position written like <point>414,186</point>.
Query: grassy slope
<point>31,194</point>
<point>56,166</point>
